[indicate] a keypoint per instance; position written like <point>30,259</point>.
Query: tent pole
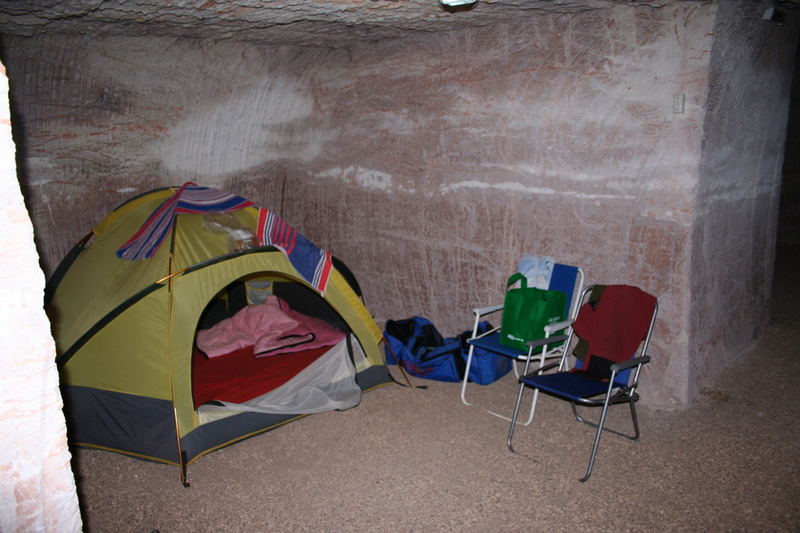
<point>181,453</point>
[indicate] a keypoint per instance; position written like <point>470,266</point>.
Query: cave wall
<point>37,487</point>
<point>789,211</point>
<point>736,215</point>
<point>429,165</point>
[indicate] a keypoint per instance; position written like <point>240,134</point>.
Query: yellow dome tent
<point>125,329</point>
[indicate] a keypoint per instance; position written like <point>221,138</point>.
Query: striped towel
<point>313,264</point>
<point>190,198</point>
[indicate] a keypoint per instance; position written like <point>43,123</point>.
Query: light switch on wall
<point>678,103</point>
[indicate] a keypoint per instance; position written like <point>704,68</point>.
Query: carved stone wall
<point>37,488</point>
<point>738,191</point>
<point>431,164</point>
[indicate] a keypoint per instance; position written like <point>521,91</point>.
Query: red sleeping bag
<point>238,376</point>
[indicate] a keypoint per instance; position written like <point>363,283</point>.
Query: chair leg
<point>530,414</point>
<point>596,441</point>
<point>516,413</point>
<point>601,428</point>
<point>535,391</point>
<point>465,380</point>
<point>634,420</point>
<point>466,376</point>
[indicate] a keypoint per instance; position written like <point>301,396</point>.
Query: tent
<point>127,302</point>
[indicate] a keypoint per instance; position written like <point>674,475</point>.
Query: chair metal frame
<point>615,392</point>
<point>539,347</point>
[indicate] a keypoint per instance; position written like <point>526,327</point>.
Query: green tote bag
<point>526,311</point>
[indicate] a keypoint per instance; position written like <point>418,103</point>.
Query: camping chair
<point>611,327</point>
<point>565,278</point>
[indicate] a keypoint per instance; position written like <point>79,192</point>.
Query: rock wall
<point>37,487</point>
<point>738,192</point>
<point>429,165</point>
<point>789,212</point>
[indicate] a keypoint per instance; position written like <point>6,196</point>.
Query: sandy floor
<point>420,460</point>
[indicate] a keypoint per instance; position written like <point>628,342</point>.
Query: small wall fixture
<point>773,14</point>
<point>457,3</point>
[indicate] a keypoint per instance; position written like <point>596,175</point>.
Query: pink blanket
<point>271,328</point>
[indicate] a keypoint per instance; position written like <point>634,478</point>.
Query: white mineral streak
<point>526,189</point>
<point>363,177</point>
<point>242,131</point>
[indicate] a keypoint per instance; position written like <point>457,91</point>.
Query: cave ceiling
<point>328,23</point>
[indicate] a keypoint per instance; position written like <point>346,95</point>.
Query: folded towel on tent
<point>188,199</point>
<point>272,328</point>
<point>314,264</point>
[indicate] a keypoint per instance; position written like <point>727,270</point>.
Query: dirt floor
<point>420,460</point>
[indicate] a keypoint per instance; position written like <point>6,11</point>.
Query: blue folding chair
<point>612,329</point>
<point>565,278</point>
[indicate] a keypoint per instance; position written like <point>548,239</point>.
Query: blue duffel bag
<point>417,345</point>
<point>487,367</point>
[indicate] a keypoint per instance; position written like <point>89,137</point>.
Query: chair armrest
<point>543,368</point>
<point>480,311</point>
<point>485,333</point>
<point>546,340</point>
<point>624,365</point>
<point>557,326</point>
